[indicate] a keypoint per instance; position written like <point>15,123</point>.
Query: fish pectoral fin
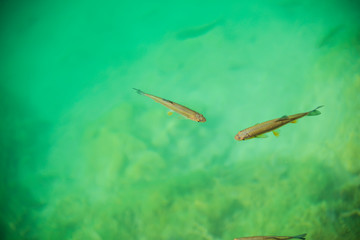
<point>295,121</point>
<point>276,133</point>
<point>261,136</point>
<point>285,117</point>
<point>170,113</point>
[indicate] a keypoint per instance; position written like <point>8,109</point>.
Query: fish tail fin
<point>139,91</point>
<point>302,236</point>
<point>315,112</point>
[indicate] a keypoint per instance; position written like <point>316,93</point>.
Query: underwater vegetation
<point>109,164</point>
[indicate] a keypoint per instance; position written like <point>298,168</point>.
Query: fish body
<point>271,125</point>
<point>186,112</point>
<point>302,236</point>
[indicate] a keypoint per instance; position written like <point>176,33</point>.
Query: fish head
<point>240,136</point>
<point>200,118</point>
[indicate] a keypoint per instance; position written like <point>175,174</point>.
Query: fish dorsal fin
<point>276,133</point>
<point>261,136</point>
<point>302,236</point>
<point>168,101</point>
<point>285,117</point>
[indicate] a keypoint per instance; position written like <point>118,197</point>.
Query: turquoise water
<point>85,157</point>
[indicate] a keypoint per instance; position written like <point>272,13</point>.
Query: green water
<point>85,157</point>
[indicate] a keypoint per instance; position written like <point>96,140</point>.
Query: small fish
<point>197,31</point>
<point>330,38</point>
<point>258,130</point>
<point>186,112</point>
<point>302,236</point>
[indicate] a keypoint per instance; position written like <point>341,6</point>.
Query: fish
<point>259,130</point>
<point>186,112</point>
<point>197,31</point>
<point>302,236</point>
<point>330,38</point>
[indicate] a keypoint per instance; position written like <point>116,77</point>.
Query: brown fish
<point>186,112</point>
<point>302,236</point>
<point>258,130</point>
